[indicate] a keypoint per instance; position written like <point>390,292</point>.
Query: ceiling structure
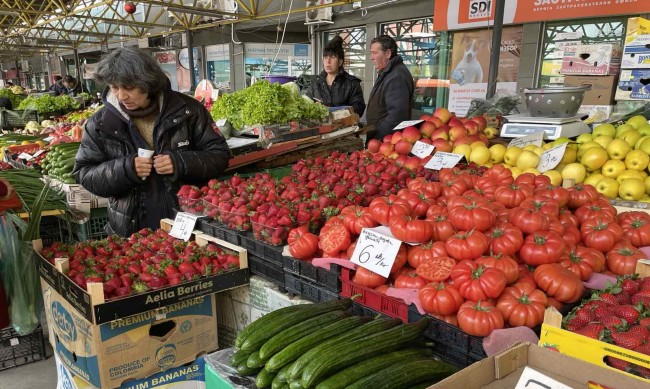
<point>32,27</point>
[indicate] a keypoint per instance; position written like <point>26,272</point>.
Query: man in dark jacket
<point>392,95</point>
<point>141,111</point>
<point>72,85</point>
<point>57,87</point>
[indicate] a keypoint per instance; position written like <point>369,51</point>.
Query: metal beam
<point>122,22</point>
<point>189,10</point>
<point>83,33</point>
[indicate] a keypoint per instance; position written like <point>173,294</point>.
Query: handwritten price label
<point>376,251</point>
<point>551,158</point>
<point>183,226</point>
<point>407,123</point>
<point>534,139</point>
<point>422,150</point>
<point>441,160</point>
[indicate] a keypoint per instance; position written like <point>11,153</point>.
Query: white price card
<point>183,226</point>
<point>376,251</point>
<point>422,150</point>
<point>441,160</point>
<point>14,342</point>
<point>551,158</point>
<point>221,122</point>
<point>48,139</point>
<point>533,379</point>
<point>407,123</point>
<point>25,156</point>
<point>39,152</point>
<point>534,139</point>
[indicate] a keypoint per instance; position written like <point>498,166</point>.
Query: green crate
<point>92,226</point>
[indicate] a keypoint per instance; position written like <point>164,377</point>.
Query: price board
<point>376,250</point>
<point>183,226</point>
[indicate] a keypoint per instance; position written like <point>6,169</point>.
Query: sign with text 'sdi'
<point>376,250</point>
<point>407,123</point>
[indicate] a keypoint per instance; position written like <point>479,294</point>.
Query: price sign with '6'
<point>376,251</point>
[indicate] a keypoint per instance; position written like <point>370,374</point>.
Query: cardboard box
<point>597,60</point>
<point>551,67</point>
<point>109,354</point>
<point>596,113</point>
<point>504,370</point>
<point>637,26</point>
<point>636,53</point>
<point>602,90</point>
<point>191,376</point>
<point>633,85</point>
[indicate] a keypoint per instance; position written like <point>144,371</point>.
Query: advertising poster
<point>167,62</point>
<point>470,64</point>
<point>291,59</point>
<point>183,68</point>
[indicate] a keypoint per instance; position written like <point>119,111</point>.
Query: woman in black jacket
<point>334,86</point>
<point>141,111</point>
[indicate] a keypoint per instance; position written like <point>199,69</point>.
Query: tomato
<point>583,261</point>
<point>636,227</point>
<point>623,257</point>
<point>409,229</point>
<point>542,247</point>
<point>331,222</point>
<point>367,278</point>
<point>302,243</point>
<point>557,193</point>
<point>505,239</point>
<point>559,282</point>
<point>471,216</point>
<point>526,179</point>
<point>567,218</point>
<point>528,221</point>
<point>477,282</point>
<point>400,259</point>
<point>350,250</point>
<point>336,238</point>
<point>521,307</point>
<point>541,181</point>
<point>439,298</point>
<point>449,319</point>
<point>580,195</point>
<point>410,280</point>
<point>436,269</point>
<point>454,187</point>
<point>418,183</point>
<point>601,234</point>
<point>383,208</point>
<point>479,318</point>
<point>382,289</point>
<point>506,264</point>
<point>542,204</point>
<point>466,199</point>
<point>455,173</point>
<point>441,228</point>
<point>467,245</point>
<point>436,210</point>
<point>357,218</point>
<point>425,251</point>
<point>594,209</point>
<point>526,279</point>
<point>496,176</point>
<point>552,302</point>
<point>419,202</point>
<point>571,236</point>
<point>512,195</point>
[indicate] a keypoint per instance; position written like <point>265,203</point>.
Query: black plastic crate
<point>219,231</point>
<point>261,249</point>
<point>328,279</point>
<point>362,310</point>
<point>55,229</point>
<point>297,285</point>
<point>16,350</point>
<point>266,269</point>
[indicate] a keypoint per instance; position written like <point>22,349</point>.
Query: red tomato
<point>601,234</point>
<point>595,209</point>
<point>436,269</point>
<point>477,282</point>
<point>567,218</point>
<point>505,239</point>
<point>400,259</point>
<point>383,208</point>
<point>542,247</point>
<point>367,278</point>
<point>439,298</point>
<point>541,181</point>
<point>441,228</point>
<point>302,243</point>
<point>425,251</point>
<point>526,179</point>
<point>506,264</point>
<point>382,289</point>
<point>471,216</point>
<point>512,195</point>
<point>623,257</point>
<point>583,262</point>
<point>557,193</point>
<point>449,319</point>
<point>526,279</point>
<point>419,202</point>
<point>408,229</point>
<point>467,245</point>
<point>357,218</point>
<point>545,205</point>
<point>410,280</point>
<point>479,318</point>
<point>552,302</point>
<point>580,195</point>
<point>521,307</point>
<point>334,239</point>
<point>636,227</point>
<point>496,176</point>
<point>559,282</point>
<point>454,187</point>
<point>436,210</point>
<point>528,221</point>
<point>571,236</point>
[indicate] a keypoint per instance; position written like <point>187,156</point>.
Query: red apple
<point>442,114</point>
<point>397,136</point>
<point>373,145</point>
<point>427,128</point>
<point>440,134</point>
<point>436,121</point>
<point>474,138</point>
<point>426,140</point>
<point>386,149</point>
<point>412,163</point>
<point>399,161</point>
<point>483,138</point>
<point>457,132</point>
<point>403,147</point>
<point>387,138</point>
<point>481,121</point>
<point>463,140</point>
<point>425,117</point>
<point>424,160</point>
<point>455,122</point>
<point>472,127</point>
<point>411,134</point>
<point>444,127</point>
<point>442,145</point>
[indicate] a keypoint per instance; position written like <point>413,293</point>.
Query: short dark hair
<point>129,66</point>
<point>58,78</point>
<point>68,79</point>
<point>334,48</point>
<point>386,43</point>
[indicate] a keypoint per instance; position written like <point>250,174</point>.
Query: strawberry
<point>580,319</point>
<point>623,298</point>
<point>644,284</point>
<point>184,267</point>
<point>643,349</point>
<point>629,339</point>
<point>157,282</point>
<point>175,279</point>
<point>139,287</point>
<point>601,312</point>
<point>113,282</point>
<point>630,286</point>
<point>608,298</point>
<point>610,322</point>
<point>645,322</point>
<point>123,291</point>
<point>618,363</point>
<point>127,279</point>
<point>627,312</point>
<point>592,330</point>
<point>641,299</point>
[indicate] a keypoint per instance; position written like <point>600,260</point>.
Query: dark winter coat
<point>105,161</point>
<point>345,90</point>
<point>390,99</point>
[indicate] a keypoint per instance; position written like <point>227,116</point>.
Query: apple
<point>604,129</point>
<point>574,171</point>
<point>613,168</point>
<point>618,149</point>
<point>637,160</point>
<point>441,145</point>
<point>631,137</point>
<point>455,122</point>
<point>637,121</point>
<point>631,189</point>
<point>620,130</point>
<point>412,163</point>
<point>594,158</point>
<point>483,138</point>
<point>373,145</point>
<point>425,117</point>
<point>608,187</point>
<point>436,121</point>
<point>403,147</point>
<point>426,140</point>
<point>440,134</point>
<point>463,140</point>
<point>397,136</point>
<point>644,130</point>
<point>457,132</point>
<point>491,132</point>
<point>481,121</point>
<point>411,134</point>
<point>387,138</point>
<point>399,161</point>
<point>386,149</point>
<point>472,127</point>
<point>442,114</point>
<point>427,128</point>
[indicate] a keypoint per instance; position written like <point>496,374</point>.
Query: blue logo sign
<point>63,321</point>
<point>186,326</point>
<point>300,50</point>
<point>166,356</point>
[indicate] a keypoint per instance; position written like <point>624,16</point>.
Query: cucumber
<point>264,379</point>
<point>276,384</point>
<point>294,333</point>
<point>423,385</point>
<point>299,347</point>
<point>282,374</point>
<point>239,357</point>
<point>295,385</point>
<point>254,360</point>
<point>270,318</point>
<point>257,338</point>
<point>377,325</point>
<point>350,375</point>
<point>338,356</point>
<point>405,375</point>
<point>243,370</point>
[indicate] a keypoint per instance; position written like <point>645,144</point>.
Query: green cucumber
<point>261,335</point>
<point>243,370</point>
<point>239,357</point>
<point>254,360</point>
<point>301,346</point>
<point>350,375</point>
<point>264,379</point>
<point>295,385</point>
<point>282,374</point>
<point>405,375</point>
<point>339,356</point>
<point>423,385</point>
<point>294,333</point>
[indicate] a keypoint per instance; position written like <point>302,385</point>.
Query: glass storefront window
<point>217,59</point>
<point>354,47</point>
<point>426,53</point>
<point>262,59</point>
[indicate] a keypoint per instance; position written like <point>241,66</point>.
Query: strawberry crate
<point>16,350</point>
<point>192,206</point>
<point>218,230</point>
<point>328,279</point>
<point>268,270</point>
<point>389,306</point>
<point>296,285</point>
<point>261,249</point>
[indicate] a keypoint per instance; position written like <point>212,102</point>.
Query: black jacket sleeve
<point>356,98</point>
<point>397,97</point>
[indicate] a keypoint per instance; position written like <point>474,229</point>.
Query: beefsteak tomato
<point>558,282</point>
<point>479,318</point>
<point>542,247</point>
<point>477,282</point>
<point>522,307</point>
<point>439,298</point>
<point>467,245</point>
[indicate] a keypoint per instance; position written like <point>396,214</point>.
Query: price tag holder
<point>533,379</point>
<point>422,150</point>
<point>376,251</point>
<point>25,156</point>
<point>534,139</point>
<point>39,152</point>
<point>551,158</point>
<point>441,160</point>
<point>183,226</point>
<point>407,123</point>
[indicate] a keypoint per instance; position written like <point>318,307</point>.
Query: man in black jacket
<point>392,95</point>
<point>141,111</point>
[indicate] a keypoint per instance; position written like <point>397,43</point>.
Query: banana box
<point>109,355</point>
<point>637,26</point>
<point>633,84</point>
<point>636,53</point>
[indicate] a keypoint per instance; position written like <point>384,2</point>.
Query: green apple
<point>607,129</point>
<point>637,121</point>
<point>584,138</point>
<point>603,140</point>
<point>613,168</point>
<point>574,171</point>
<point>622,129</point>
<point>644,130</point>
<point>631,189</point>
<point>629,173</point>
<point>618,149</point>
<point>593,178</point>
<point>631,137</point>
<point>594,158</point>
<point>637,160</point>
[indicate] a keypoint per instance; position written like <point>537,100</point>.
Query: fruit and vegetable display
<point>59,162</point>
<point>144,261</point>
<point>29,184</point>
<point>323,346</point>
<point>47,104</point>
<point>14,95</point>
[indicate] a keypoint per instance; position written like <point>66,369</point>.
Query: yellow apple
<point>527,159</point>
<point>574,171</point>
<point>539,150</point>
<point>463,149</point>
<point>491,132</point>
<point>618,149</point>
<point>555,176</point>
<point>560,140</point>
<point>530,147</point>
<point>515,171</point>
<point>639,142</point>
<point>476,144</point>
<point>644,130</point>
<point>511,155</point>
<point>479,155</point>
<point>531,170</point>
<point>594,158</point>
<point>613,168</point>
<point>625,174</point>
<point>603,140</point>
<point>620,130</point>
<point>631,137</point>
<point>608,187</point>
<point>637,160</point>
<point>645,145</point>
<point>584,138</point>
<point>631,189</point>
<point>593,179</point>
<point>647,185</point>
<point>496,153</point>
<point>605,129</point>
<point>637,121</point>
<point>586,146</point>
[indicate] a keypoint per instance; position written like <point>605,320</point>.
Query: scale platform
<point>522,125</point>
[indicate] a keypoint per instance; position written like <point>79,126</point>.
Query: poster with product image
<point>167,62</point>
<point>470,64</point>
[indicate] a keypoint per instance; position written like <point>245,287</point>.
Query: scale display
<point>519,126</point>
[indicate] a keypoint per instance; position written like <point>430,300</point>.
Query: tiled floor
<point>38,375</point>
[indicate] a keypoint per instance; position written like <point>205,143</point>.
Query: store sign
<point>217,52</point>
<point>465,14</point>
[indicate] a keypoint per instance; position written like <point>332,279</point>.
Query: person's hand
<point>143,167</point>
<point>163,164</point>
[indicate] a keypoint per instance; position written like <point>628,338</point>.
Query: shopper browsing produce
<point>72,85</point>
<point>57,87</point>
<point>142,112</point>
<point>334,86</point>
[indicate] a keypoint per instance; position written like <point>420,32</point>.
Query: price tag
<point>441,160</point>
<point>48,139</point>
<point>39,152</point>
<point>14,342</point>
<point>533,379</point>
<point>551,158</point>
<point>407,123</point>
<point>183,226</point>
<point>376,250</point>
<point>221,122</point>
<point>422,150</point>
<point>25,156</point>
<point>534,139</point>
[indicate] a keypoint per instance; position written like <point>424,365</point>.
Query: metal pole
<point>190,59</point>
<point>78,67</point>
<point>495,49</point>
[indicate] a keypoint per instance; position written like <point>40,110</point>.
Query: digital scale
<point>522,125</point>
